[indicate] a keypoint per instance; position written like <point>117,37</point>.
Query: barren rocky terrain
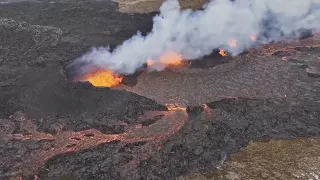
<point>146,6</point>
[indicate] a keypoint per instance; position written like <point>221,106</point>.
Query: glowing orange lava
<point>169,58</point>
<point>223,52</point>
<point>175,107</point>
<point>102,78</point>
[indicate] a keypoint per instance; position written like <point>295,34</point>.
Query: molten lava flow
<point>233,43</point>
<point>169,58</point>
<point>223,52</point>
<point>175,107</point>
<point>102,78</point>
<point>69,141</point>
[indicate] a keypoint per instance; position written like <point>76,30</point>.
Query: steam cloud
<point>194,34</point>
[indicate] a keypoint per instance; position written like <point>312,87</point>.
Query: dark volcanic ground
<point>48,125</point>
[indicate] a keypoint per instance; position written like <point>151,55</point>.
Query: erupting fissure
<point>179,35</point>
<point>101,78</point>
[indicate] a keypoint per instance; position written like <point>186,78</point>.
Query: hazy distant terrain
<point>145,6</point>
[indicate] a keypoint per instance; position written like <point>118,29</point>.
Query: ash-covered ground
<point>51,128</point>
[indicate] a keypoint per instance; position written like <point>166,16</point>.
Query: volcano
<point>59,121</point>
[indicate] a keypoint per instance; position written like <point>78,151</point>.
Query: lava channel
<point>70,141</point>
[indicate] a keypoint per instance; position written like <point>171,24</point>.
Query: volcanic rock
<point>313,71</point>
<point>281,54</point>
<point>132,79</point>
<point>201,144</point>
<point>47,94</point>
<point>129,81</point>
<point>47,118</point>
<point>212,60</point>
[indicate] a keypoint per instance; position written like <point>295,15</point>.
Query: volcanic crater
<point>166,124</point>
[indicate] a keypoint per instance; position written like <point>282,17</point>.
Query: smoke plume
<point>194,34</point>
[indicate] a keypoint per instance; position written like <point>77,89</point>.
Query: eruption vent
<point>232,25</point>
<point>222,52</point>
<point>101,78</point>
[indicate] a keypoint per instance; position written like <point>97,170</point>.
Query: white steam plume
<point>194,34</point>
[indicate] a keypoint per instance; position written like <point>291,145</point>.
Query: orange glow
<point>233,43</point>
<point>223,52</point>
<point>102,78</point>
<point>175,107</point>
<point>253,37</point>
<point>150,62</point>
<point>169,58</point>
